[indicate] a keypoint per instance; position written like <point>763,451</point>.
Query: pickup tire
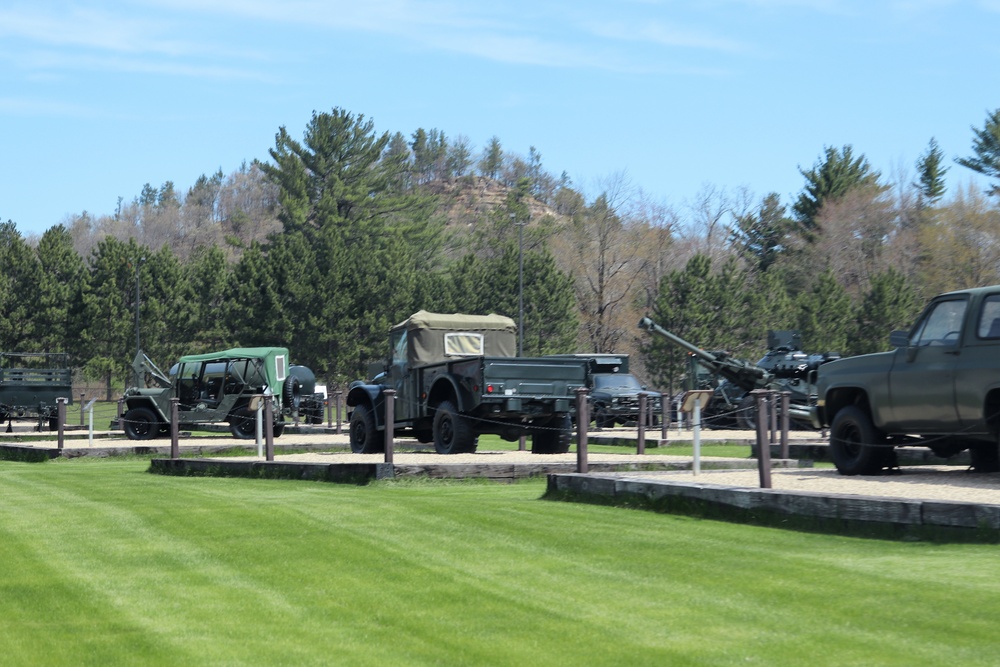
<point>554,437</point>
<point>856,446</point>
<point>453,433</point>
<point>363,434</point>
<point>141,423</point>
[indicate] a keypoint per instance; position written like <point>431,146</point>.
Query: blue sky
<point>98,97</point>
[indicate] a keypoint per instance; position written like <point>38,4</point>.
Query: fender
<point>371,396</point>
<point>146,402</point>
<point>444,387</point>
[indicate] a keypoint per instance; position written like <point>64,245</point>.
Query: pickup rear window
<point>989,318</point>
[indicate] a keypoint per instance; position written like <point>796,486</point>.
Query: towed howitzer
<point>745,375</point>
<point>784,368</point>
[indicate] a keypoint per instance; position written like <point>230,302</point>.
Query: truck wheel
<point>452,432</point>
<point>985,457</point>
<point>856,447</point>
<point>141,424</point>
<point>554,437</point>
<point>363,434</point>
<point>243,423</point>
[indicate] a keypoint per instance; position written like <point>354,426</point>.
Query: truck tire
<point>985,457</point>
<point>363,434</point>
<point>141,423</point>
<point>856,447</point>
<point>453,433</point>
<point>554,437</point>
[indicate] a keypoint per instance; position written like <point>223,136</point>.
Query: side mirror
<point>899,338</point>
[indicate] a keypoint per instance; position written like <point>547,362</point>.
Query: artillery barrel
<point>707,357</point>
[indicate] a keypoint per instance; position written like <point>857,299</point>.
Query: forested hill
<point>327,241</point>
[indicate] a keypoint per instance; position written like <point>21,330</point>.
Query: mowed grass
<point>102,563</point>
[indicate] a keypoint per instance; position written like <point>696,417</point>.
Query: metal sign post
<point>90,411</point>
<point>693,402</point>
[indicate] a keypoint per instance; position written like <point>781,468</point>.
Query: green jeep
<point>217,387</point>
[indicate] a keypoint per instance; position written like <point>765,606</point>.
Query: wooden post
<point>175,449</point>
<point>763,443</point>
<point>522,443</point>
<point>786,400</point>
<point>61,418</point>
<point>390,418</point>
<point>268,429</point>
<point>336,395</point>
<point>772,411</point>
<point>664,418</point>
<point>582,422</point>
<point>82,397</point>
<point>640,446</point>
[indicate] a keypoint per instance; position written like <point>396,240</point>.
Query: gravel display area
<point>946,483</point>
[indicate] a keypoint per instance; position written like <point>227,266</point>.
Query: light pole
<point>520,289</point>
<point>138,347</point>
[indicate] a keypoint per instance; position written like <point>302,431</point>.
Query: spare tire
<point>292,393</point>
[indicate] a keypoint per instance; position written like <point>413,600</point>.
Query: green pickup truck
<point>939,388</point>
<point>455,378</point>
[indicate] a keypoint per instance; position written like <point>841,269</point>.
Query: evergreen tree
<point>930,175</point>
<point>20,275</point>
<point>483,285</point>
<point>759,236</point>
<point>986,149</point>
<point>59,292</point>
<point>830,178</point>
<point>890,303</point>
<point>491,162</point>
<point>108,331</point>
<point>826,317</point>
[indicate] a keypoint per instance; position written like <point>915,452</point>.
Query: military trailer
<point>30,383</point>
<point>455,378</point>
<point>218,387</point>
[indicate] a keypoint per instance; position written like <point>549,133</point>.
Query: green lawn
<point>102,563</point>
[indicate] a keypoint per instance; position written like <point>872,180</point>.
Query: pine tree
<point>986,149</point>
<point>830,178</point>
<point>930,175</point>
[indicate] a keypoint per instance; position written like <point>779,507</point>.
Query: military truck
<point>939,388</point>
<point>217,387</point>
<point>30,383</point>
<point>614,391</point>
<point>456,378</point>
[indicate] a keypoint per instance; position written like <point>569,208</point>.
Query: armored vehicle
<point>30,383</point>
<point>217,387</point>
<point>939,388</point>
<point>614,391</point>
<point>455,378</point>
<point>784,368</point>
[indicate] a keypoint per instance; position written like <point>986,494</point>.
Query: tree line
<point>339,235</point>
